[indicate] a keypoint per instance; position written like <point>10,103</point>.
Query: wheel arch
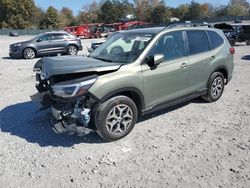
<point>131,92</point>
<point>31,48</point>
<point>73,45</point>
<point>223,70</point>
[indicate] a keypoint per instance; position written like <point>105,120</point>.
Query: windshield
<point>37,36</point>
<point>122,47</point>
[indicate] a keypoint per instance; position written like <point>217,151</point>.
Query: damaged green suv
<point>133,73</point>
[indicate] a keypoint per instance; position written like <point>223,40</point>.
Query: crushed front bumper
<point>61,124</point>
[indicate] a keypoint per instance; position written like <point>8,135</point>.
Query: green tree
<point>114,10</point>
<point>238,8</point>
<point>66,16</point>
<point>38,16</point>
<point>160,14</point>
<point>51,19</point>
<point>16,14</point>
<point>194,11</point>
<point>181,11</point>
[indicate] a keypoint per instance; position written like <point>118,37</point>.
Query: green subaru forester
<point>133,73</point>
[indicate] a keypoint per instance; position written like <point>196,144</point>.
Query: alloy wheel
<point>217,87</point>
<point>30,54</point>
<point>119,119</point>
<point>72,50</point>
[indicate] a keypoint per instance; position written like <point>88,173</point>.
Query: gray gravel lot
<point>191,145</point>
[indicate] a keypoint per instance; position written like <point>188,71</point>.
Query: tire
<point>248,42</point>
<point>29,53</point>
<point>216,86</point>
<point>115,118</point>
<point>72,50</point>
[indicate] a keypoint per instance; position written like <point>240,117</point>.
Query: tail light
<point>232,50</point>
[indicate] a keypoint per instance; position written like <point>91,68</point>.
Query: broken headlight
<point>73,88</point>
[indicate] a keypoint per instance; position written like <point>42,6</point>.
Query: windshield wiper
<point>102,59</point>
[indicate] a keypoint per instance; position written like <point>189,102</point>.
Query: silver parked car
<point>50,43</point>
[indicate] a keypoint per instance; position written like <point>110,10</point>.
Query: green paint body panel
<point>168,81</point>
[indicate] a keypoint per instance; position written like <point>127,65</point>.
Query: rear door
<point>170,79</point>
<point>59,42</point>
<point>200,59</point>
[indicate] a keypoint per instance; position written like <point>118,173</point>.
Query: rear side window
<point>215,39</point>
<point>58,36</point>
<point>198,42</point>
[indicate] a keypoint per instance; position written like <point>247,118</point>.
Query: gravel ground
<point>191,145</point>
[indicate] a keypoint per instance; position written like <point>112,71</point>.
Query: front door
<point>45,44</point>
<point>170,79</point>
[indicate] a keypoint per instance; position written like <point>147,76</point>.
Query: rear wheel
<point>216,86</point>
<point>115,118</point>
<point>29,53</point>
<point>72,50</point>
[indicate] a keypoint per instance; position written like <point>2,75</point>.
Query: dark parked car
<point>50,43</point>
<point>235,32</point>
<point>14,34</point>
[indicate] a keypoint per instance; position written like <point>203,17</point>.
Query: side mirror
<point>155,60</point>
<point>158,58</point>
<point>38,40</point>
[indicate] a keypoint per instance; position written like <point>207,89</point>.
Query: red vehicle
<point>83,31</point>
<point>97,30</point>
<point>124,25</point>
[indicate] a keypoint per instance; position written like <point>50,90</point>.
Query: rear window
<point>215,39</point>
<point>198,42</point>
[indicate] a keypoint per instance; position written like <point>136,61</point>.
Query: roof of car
<point>52,32</point>
<point>156,30</point>
<point>149,30</point>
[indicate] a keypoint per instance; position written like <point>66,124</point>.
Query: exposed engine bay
<point>67,95</point>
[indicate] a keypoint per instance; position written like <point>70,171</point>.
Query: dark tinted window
<point>198,42</point>
<point>45,38</point>
<point>246,28</point>
<point>215,39</point>
<point>170,45</point>
<point>58,36</point>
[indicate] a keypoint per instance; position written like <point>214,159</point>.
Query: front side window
<point>122,47</point>
<point>45,38</point>
<point>198,42</point>
<point>170,45</point>
<point>215,39</point>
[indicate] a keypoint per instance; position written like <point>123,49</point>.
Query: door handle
<point>213,57</point>
<point>184,65</point>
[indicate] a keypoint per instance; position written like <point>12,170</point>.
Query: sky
<point>76,5</point>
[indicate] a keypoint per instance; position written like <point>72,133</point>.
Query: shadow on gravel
<point>24,121</point>
<point>246,57</point>
<point>170,109</point>
<point>7,58</point>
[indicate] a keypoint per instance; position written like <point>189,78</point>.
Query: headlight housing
<point>18,44</point>
<point>73,88</point>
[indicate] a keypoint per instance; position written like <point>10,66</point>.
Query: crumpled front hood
<point>73,64</point>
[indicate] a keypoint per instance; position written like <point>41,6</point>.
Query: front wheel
<point>29,53</point>
<point>115,118</point>
<point>216,86</point>
<point>72,50</point>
